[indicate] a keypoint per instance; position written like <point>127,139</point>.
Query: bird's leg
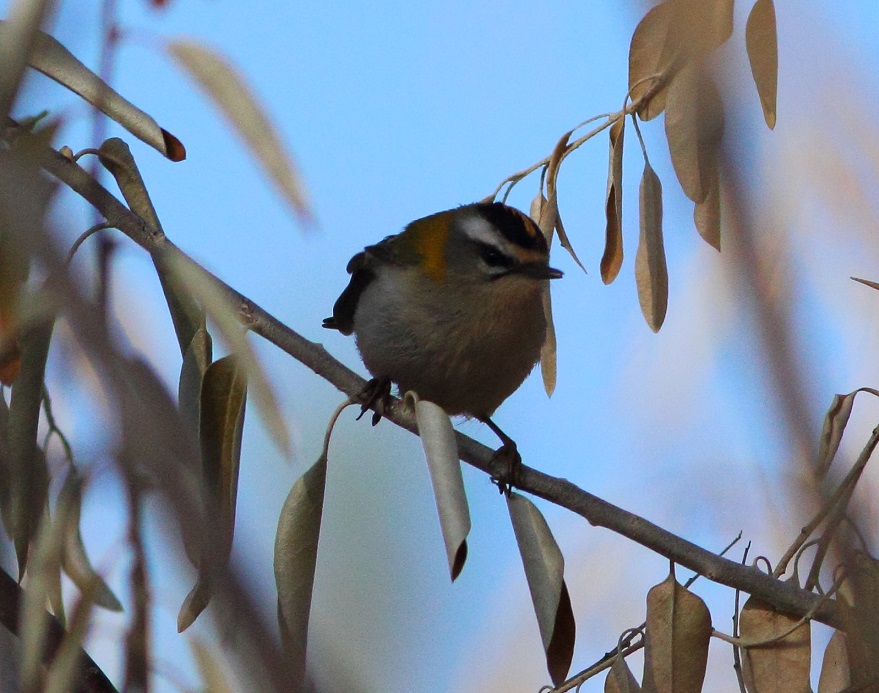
<point>506,463</point>
<point>375,395</point>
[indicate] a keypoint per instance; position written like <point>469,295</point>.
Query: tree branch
<point>89,677</point>
<point>784,596</point>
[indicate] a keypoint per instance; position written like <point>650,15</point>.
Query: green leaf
<point>29,473</point>
<point>296,544</point>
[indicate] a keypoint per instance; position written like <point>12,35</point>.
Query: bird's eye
<point>493,257</point>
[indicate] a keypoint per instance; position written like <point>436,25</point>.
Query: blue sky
<point>395,110</point>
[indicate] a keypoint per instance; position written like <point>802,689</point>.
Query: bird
<point>452,308</point>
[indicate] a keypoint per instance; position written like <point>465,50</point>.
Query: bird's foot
<point>506,467</point>
<point>375,395</point>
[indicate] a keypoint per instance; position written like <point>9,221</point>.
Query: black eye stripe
<point>494,257</point>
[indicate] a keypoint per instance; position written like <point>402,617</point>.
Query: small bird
<point>452,308</point>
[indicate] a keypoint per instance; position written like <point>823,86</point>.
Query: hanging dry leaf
<point>651,273</point>
<point>612,259</point>
<point>835,421</point>
<point>536,209</point>
<point>68,659</point>
<point>239,104</point>
<point>29,474</point>
<point>544,570</point>
<point>835,676</point>
<point>761,40</point>
<point>549,350</point>
<point>296,558</point>
<point>620,678</point>
<point>782,664</point>
<point>706,214</point>
<point>694,127</point>
<point>444,464</point>
<point>697,27</point>
<point>55,61</point>
<point>195,362</point>
<point>648,57</point>
<point>676,642</point>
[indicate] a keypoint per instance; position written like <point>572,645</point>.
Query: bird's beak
<point>536,270</point>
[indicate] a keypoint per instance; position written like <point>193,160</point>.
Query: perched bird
<point>452,308</point>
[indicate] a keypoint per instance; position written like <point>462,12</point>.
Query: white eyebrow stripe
<point>476,228</point>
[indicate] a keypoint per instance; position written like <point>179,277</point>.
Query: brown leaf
<point>620,678</point>
<point>612,259</point>
<point>835,421</point>
<point>676,642</point>
<point>544,570</point>
<point>706,214</point>
<point>648,56</point>
<point>444,464</point>
<point>782,664</point>
<point>694,127</point>
<point>762,43</point>
<point>835,676</point>
<point>697,27</point>
<point>651,273</point>
<point>214,679</point>
<point>548,352</point>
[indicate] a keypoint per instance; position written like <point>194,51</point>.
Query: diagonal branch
<point>784,596</point>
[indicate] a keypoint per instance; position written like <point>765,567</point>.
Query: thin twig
<point>737,653</point>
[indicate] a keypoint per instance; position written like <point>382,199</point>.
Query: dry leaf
<point>295,560</point>
<point>676,642</point>
<point>55,61</point>
<point>697,27</point>
<point>835,676</point>
<point>648,56</point>
<point>860,620</point>
<point>544,570</point>
<point>694,127</point>
<point>444,464</point>
<point>620,678</point>
<point>612,259</point>
<point>762,43</point>
<point>239,104</point>
<point>68,659</point>
<point>781,665</point>
<point>835,421</point>
<point>706,214</point>
<point>549,350</point>
<point>651,273</point>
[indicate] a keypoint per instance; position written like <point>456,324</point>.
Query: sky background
<point>393,111</point>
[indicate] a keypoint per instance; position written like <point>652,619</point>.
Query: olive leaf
<point>612,259</point>
<point>620,678</point>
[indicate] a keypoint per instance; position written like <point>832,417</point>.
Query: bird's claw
<point>506,467</point>
<point>375,395</point>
